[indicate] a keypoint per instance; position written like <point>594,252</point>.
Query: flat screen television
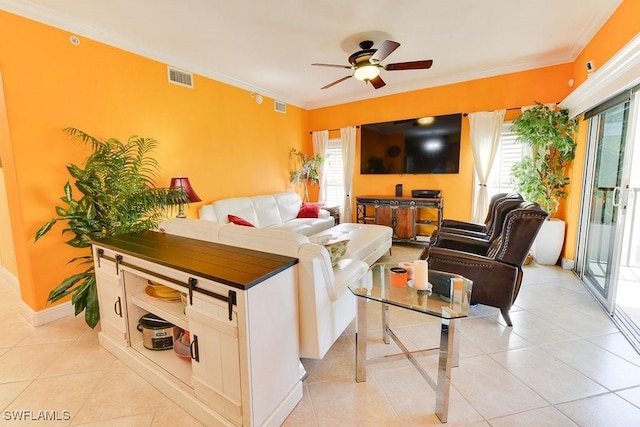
<point>425,145</point>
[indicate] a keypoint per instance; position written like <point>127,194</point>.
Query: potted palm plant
<point>117,195</point>
<point>307,170</point>
<point>541,176</point>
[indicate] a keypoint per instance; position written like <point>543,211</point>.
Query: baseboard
<point>567,264</point>
<point>38,318</point>
<point>10,278</point>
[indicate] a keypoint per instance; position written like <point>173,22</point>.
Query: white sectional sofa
<point>278,210</point>
<point>326,307</point>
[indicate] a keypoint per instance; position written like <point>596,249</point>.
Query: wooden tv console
<point>413,219</point>
<point>241,314</point>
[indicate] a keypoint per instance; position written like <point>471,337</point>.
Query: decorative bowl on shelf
<point>162,292</point>
<point>182,346</point>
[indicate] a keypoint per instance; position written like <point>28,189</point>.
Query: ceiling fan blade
<point>348,67</point>
<point>383,51</point>
<point>336,82</point>
<point>377,82</point>
<point>413,65</point>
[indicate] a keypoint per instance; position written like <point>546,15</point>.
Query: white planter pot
<point>548,244</point>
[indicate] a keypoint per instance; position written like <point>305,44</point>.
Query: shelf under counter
<point>171,311</point>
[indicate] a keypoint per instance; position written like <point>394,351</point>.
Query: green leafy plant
<point>308,170</point>
<point>117,195</point>
<point>542,177</point>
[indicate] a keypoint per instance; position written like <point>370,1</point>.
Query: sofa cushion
<point>238,206</point>
<point>288,205</point>
<point>239,221</point>
<point>266,210</point>
<point>207,213</point>
<point>313,225</point>
<point>309,210</point>
<point>299,227</point>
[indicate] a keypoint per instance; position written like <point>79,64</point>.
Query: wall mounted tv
<point>425,145</point>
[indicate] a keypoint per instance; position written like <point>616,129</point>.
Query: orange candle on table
<point>398,277</point>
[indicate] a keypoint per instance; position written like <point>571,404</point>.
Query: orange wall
<point>215,134</point>
<point>548,84</point>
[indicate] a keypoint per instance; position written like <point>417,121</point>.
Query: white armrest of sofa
<point>326,306</point>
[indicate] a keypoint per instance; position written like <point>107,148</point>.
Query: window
<point>509,152</point>
<point>333,174</point>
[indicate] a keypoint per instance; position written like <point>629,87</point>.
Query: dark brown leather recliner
<point>474,226</point>
<point>496,273</point>
<point>476,242</point>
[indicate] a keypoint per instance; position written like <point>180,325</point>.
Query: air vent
<point>280,107</point>
<point>180,77</point>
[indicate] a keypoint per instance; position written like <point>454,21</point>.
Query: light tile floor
<point>562,364</point>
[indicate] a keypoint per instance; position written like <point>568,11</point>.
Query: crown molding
<point>445,80</point>
<point>587,33</point>
<point>47,16</point>
<point>620,72</point>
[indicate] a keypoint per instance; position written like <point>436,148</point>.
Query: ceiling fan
<point>365,63</point>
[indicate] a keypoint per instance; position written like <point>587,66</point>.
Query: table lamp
<point>183,184</point>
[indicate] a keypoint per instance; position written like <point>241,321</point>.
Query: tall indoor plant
<point>308,170</point>
<point>542,176</point>
<point>117,195</point>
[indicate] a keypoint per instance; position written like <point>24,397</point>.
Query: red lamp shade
<point>184,184</point>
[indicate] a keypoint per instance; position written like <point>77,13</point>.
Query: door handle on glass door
<point>616,197</point>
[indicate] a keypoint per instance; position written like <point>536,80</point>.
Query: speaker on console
<point>425,194</point>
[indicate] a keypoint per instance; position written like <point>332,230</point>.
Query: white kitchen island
<point>240,311</point>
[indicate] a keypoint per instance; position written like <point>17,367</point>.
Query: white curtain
<point>320,142</point>
<point>485,130</point>
<point>348,139</point>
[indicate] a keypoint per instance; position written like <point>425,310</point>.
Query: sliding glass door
<point>605,200</point>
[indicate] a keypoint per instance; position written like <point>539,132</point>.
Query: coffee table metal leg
<point>385,323</point>
<point>361,340</point>
<point>448,352</point>
<point>455,362</point>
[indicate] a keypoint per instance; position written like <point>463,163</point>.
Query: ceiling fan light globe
<point>366,72</point>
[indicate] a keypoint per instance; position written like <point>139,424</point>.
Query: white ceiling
<point>267,47</point>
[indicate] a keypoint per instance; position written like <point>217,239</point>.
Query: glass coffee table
<point>448,299</point>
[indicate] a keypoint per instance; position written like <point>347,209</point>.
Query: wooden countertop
<point>237,267</point>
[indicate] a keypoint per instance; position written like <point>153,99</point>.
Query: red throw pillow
<point>309,210</point>
<point>239,221</point>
